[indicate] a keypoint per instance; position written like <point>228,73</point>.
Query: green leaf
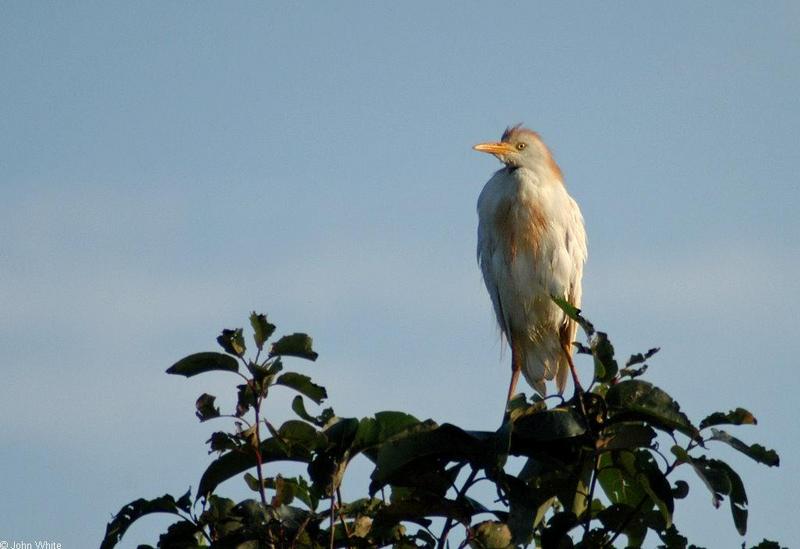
<point>300,435</point>
<point>385,425</point>
<point>199,363</point>
<point>639,399</point>
<point>491,534</point>
<point>681,453</point>
<point>739,416</point>
<point>321,420</point>
<point>299,345</point>
<point>575,314</point>
<point>233,342</point>
<point>303,385</point>
<point>753,451</point>
<point>234,463</point>
<point>617,478</point>
<point>262,330</point>
<point>205,407</point>
<point>135,510</point>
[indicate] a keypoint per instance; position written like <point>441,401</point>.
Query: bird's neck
<point>541,174</point>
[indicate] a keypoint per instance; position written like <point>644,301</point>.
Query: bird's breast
<point>532,233</point>
<point>520,225</point>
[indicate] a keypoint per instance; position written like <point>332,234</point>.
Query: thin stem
<point>448,524</point>
<point>300,530</point>
<point>341,517</point>
<point>588,522</point>
<point>257,447</point>
<point>333,516</point>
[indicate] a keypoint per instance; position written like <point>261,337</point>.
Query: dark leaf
<point>767,544</point>
<point>205,407</point>
<point>245,398</point>
<point>739,416</point>
<point>605,367</point>
<point>199,363</point>
<point>640,399</point>
<point>181,534</point>
<point>555,535</point>
<point>555,424</point>
<point>753,451</point>
<point>260,373</point>
<point>262,330</point>
<point>232,341</point>
<point>303,385</point>
<point>681,489</point>
<point>135,510</point>
<point>673,539</point>
<point>625,435</point>
<point>426,445</point>
<point>723,481</point>
<point>738,497</point>
<point>299,345</point>
<point>639,358</point>
<point>655,484</point>
<point>715,480</point>
<point>620,517</point>
<point>221,441</point>
<point>633,372</point>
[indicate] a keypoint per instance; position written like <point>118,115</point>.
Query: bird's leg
<point>567,351</point>
<point>516,367</point>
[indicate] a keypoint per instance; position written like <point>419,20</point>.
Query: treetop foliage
<point>596,473</point>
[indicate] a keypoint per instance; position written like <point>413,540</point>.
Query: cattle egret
<point>531,246</point>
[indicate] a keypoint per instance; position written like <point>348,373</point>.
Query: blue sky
<point>168,167</point>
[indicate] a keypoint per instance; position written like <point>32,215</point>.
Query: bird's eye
<point>521,146</point>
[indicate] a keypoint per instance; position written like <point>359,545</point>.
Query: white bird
<point>531,246</point>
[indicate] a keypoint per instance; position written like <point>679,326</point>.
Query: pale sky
<point>168,167</point>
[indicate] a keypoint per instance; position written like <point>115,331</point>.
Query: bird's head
<point>521,148</point>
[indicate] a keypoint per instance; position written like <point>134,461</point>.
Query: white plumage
<point>531,245</point>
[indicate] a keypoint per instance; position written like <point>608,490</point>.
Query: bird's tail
<point>544,360</point>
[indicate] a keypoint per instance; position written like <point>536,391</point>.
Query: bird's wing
<point>487,247</point>
<point>576,248</point>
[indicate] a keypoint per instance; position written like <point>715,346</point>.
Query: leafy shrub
<point>594,469</point>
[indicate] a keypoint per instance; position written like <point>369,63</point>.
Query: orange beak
<point>496,148</point>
